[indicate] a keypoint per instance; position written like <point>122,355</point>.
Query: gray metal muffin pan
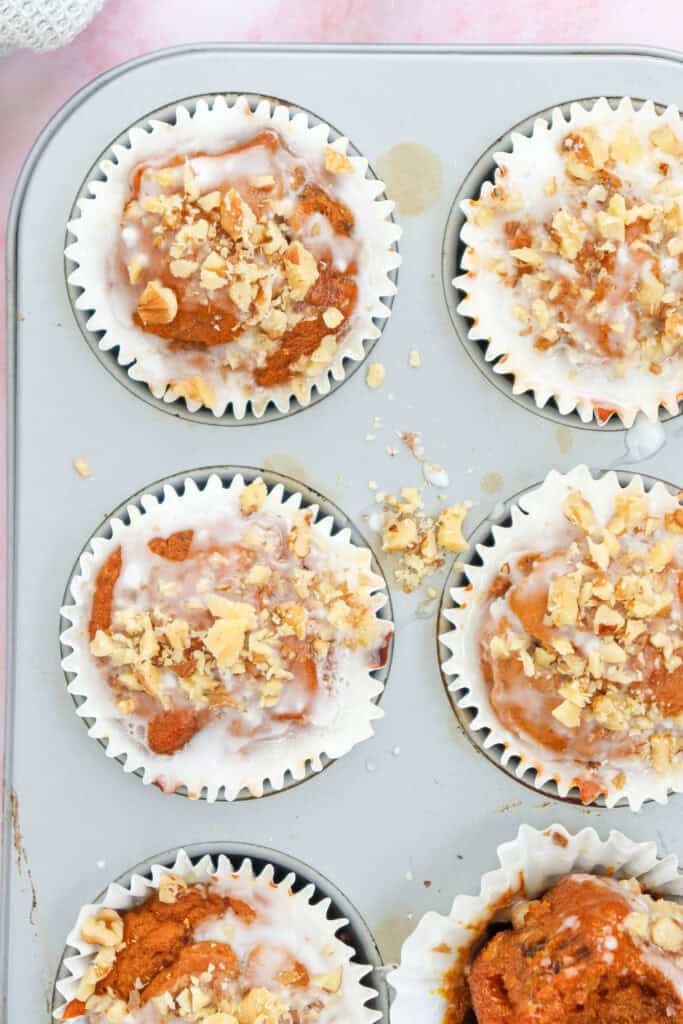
<point>412,816</point>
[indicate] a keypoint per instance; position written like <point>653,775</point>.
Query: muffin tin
<point>412,816</point>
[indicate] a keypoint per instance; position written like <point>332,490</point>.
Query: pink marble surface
<point>33,86</point>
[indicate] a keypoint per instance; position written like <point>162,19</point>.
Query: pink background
<point>33,86</point>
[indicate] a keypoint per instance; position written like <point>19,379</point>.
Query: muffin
<point>215,945</point>
<point>573,268</point>
<point>573,641</point>
<point>589,949</point>
<point>226,637</point>
<point>569,929</point>
<point>234,258</point>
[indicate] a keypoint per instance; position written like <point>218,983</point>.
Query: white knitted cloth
<point>43,24</point>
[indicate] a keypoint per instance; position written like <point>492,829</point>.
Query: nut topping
<point>157,304</point>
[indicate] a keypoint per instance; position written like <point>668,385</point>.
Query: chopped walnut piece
<point>212,273</point>
<point>300,537</point>
<point>563,600</point>
<point>330,982</point>
<point>211,201</point>
<point>260,1006</point>
<point>225,638</point>
<point>157,304</point>
<point>528,256</point>
<point>183,268</point>
<point>104,929</point>
<point>659,555</point>
<point>375,375</point>
<point>519,911</point>
<point>170,887</point>
<point>568,714</point>
<point>258,575</point>
<point>324,353</point>
<point>664,138</point>
<point>611,226</point>
<point>400,535</point>
<point>301,269</point>
<point>82,466</point>
<point>578,511</point>
<point>667,934</point>
<point>414,536</point>
<point>336,162</point>
<point>674,521</point>
<point>253,497</point>
<point>625,146</point>
<point>237,217</point>
<point>332,317</point>
<point>450,534</point>
<point>571,233</point>
<point>638,924</point>
<point>274,324</point>
<point>607,617</point>
<point>135,267</point>
<point>196,389</point>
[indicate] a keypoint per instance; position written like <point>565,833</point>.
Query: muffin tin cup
<point>528,866</point>
<point>318,910</point>
<point>136,358</point>
<point>546,382</point>
<point>291,761</point>
<point>525,518</point>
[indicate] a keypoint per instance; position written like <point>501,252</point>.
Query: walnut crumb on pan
<point>421,542</point>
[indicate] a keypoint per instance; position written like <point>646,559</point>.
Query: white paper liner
<point>537,521</point>
<point>529,865</point>
<point>211,128</point>
<point>352,708</point>
<point>488,302</point>
<point>306,930</point>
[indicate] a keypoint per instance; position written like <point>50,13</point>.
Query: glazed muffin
<point>574,261</point>
<point>233,948</point>
<point>567,929</point>
<point>249,259</point>
<point>589,949</point>
<point>569,637</point>
<point>225,637</point>
<point>581,644</point>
